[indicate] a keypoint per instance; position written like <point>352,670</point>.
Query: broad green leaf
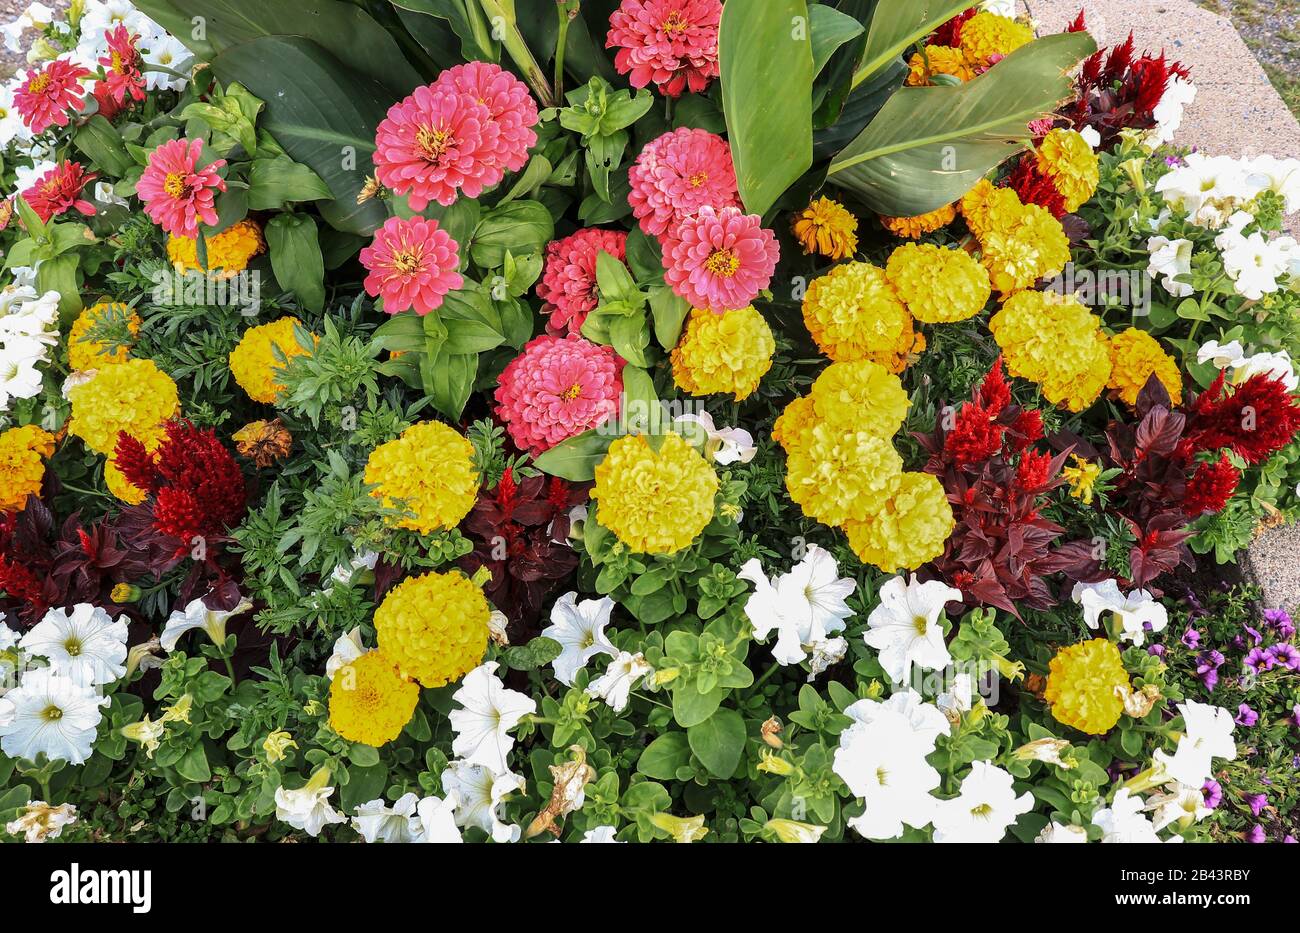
<point>322,114</point>
<point>448,379</point>
<point>467,22</point>
<point>766,63</point>
<point>575,459</point>
<point>517,227</point>
<point>897,24</point>
<point>830,29</point>
<point>929,145</point>
<point>662,757</point>
<point>296,258</point>
<point>272,183</point>
<point>719,742</point>
<point>102,144</point>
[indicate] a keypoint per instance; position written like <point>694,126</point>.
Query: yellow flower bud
<point>277,745</point>
<point>793,831</point>
<point>682,829</point>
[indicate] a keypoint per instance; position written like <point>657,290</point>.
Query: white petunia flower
<point>104,195</point>
<point>84,644</point>
<point>804,606</point>
<point>1171,258</point>
<point>1168,114</point>
<point>488,712</point>
<point>1133,612</point>
<point>438,820</point>
<point>1253,263</point>
<point>376,821</point>
<point>882,760</point>
<point>1123,821</point>
<point>1208,736</point>
<point>1091,137</point>
<point>51,714</point>
<point>1209,188</point>
<point>347,648</point>
<point>1281,176</point>
<point>1278,366</point>
<point>1054,832</point>
<point>600,834</point>
<point>905,627</point>
<point>162,50</point>
<point>38,821</point>
<point>198,615</point>
<point>926,720</point>
<point>361,560</point>
<point>958,698</point>
<point>620,679</point>
<point>984,809</point>
<point>479,796</point>
<point>1221,355</point>
<point>37,16</point>
<point>1005,8</point>
<point>579,627</point>
<point>308,807</point>
<point>1180,804</point>
<point>826,653</point>
<point>721,445</point>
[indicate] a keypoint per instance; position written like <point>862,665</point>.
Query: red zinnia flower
<point>122,66</point>
<point>59,191</point>
<point>1210,487</point>
<point>672,43</point>
<point>49,92</point>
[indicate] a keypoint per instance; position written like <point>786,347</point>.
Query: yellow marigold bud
<point>85,354</point>
<point>837,477</point>
<point>1021,248</point>
<point>723,353</point>
<point>229,252</point>
<point>1054,341</point>
<point>986,34</point>
<point>860,396</point>
<point>254,362</point>
<point>434,627</point>
<point>277,746</point>
<point>22,451</point>
<point>1082,684</point>
<point>939,285</point>
<point>1066,158</point>
<point>654,502</point>
<point>827,228</point>
<point>1136,356</point>
<point>914,228</point>
<point>853,313</point>
<point>134,396</point>
<point>370,701</point>
<point>429,471</point>
<point>937,60</point>
<point>906,530</point>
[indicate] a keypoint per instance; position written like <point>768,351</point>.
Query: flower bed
<point>631,421</point>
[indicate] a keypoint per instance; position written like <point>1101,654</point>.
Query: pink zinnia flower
<point>507,99</point>
<point>720,259</point>
<point>122,66</point>
<point>177,194</point>
<point>59,191</point>
<point>412,264</point>
<point>558,388</point>
<point>568,284</point>
<point>435,143</point>
<point>679,173</point>
<point>673,43</point>
<point>48,93</point>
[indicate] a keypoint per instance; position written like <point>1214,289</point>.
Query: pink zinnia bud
<point>720,259</point>
<point>59,191</point>
<point>508,101</point>
<point>672,43</point>
<point>412,264</point>
<point>47,94</point>
<point>436,143</point>
<point>177,193</point>
<point>677,174</point>
<point>558,388</point>
<point>568,283</point>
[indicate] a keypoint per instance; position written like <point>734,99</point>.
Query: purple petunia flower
<point>1209,679</point>
<point>1191,638</point>
<point>1285,655</point>
<point>1257,803</point>
<point>1254,634</point>
<point>1280,621</point>
<point>1212,791</point>
<point>1156,651</point>
<point>1259,660</point>
<point>1256,834</point>
<point>1246,716</point>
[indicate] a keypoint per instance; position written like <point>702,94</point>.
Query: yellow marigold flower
<point>915,227</point>
<point>429,470</point>
<point>434,627</point>
<point>84,354</point>
<point>135,396</point>
<point>826,227</point>
<point>370,701</point>
<point>937,60</point>
<point>120,486</point>
<point>254,362</point>
<point>1065,157</point>
<point>797,418</point>
<point>1027,247</point>
<point>985,207</point>
<point>836,477</point>
<point>229,252</point>
<point>985,35</point>
<point>939,285</point>
<point>860,396</point>
<point>723,353</point>
<point>907,529</point>
<point>1136,356</point>
<point>853,313</point>
<point>1054,341</point>
<point>655,503</point>
<point>1084,686</point>
<point>22,451</point>
<point>1081,477</point>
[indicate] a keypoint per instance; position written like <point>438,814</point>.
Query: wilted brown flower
<point>571,778</point>
<point>771,732</point>
<point>264,442</point>
<point>371,189</point>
